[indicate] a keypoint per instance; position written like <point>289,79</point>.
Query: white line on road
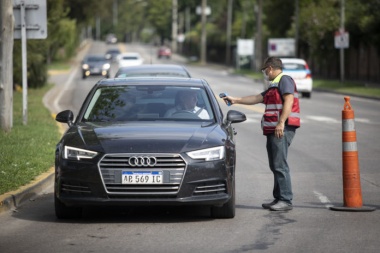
<point>324,200</point>
<point>65,87</point>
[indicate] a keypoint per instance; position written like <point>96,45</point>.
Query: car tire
<point>306,94</point>
<point>64,212</point>
<point>83,76</point>
<point>227,211</point>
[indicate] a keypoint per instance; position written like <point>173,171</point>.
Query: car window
<point>130,58</point>
<point>146,103</point>
<point>294,66</point>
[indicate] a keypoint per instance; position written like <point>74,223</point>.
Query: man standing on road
<point>279,123</point>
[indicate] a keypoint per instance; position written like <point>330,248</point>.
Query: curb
<point>12,200</point>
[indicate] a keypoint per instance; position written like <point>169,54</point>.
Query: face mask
<point>266,77</point>
<point>266,80</point>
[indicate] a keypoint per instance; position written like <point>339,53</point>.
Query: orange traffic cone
<point>352,193</point>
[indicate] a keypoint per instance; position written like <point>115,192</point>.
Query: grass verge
<point>28,150</point>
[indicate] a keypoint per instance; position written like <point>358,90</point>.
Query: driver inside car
<point>186,102</point>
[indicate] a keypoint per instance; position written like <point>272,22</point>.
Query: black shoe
<point>268,205</point>
<point>281,206</point>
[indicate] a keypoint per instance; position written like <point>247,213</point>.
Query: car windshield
<point>147,103</point>
<point>95,58</point>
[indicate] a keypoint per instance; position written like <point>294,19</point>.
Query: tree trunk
<point>6,68</point>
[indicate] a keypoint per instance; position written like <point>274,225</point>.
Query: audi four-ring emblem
<point>142,161</point>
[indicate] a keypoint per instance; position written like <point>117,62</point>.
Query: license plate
<point>95,70</point>
<point>142,177</point>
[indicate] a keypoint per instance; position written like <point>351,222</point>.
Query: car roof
<point>113,50</point>
<point>154,69</point>
<point>293,60</point>
<point>168,81</point>
<point>130,54</point>
<point>95,57</point>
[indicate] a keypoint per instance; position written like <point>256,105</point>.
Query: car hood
<point>151,137</point>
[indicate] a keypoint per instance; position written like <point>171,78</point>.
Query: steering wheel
<point>183,114</point>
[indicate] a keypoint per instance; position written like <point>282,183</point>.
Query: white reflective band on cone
<point>348,125</point>
<point>350,146</point>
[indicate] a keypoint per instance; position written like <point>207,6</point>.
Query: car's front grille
<point>172,167</point>
<point>210,188</point>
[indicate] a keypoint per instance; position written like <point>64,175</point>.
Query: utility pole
<point>297,27</point>
<point>114,14</point>
<point>97,25</point>
<point>204,32</point>
<point>258,37</point>
<point>174,25</point>
<point>342,4</point>
<point>228,41</point>
<point>6,65</point>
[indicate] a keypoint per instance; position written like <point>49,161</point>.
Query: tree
<point>6,83</point>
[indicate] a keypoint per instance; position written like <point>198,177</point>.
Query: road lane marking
<point>324,119</point>
<point>324,200</point>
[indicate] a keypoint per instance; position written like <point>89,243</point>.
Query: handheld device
<point>222,95</point>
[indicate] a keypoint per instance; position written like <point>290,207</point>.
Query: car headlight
<point>209,154</point>
<point>106,66</point>
<point>85,66</point>
<point>78,154</point>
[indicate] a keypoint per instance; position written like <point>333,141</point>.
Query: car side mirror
<point>66,116</point>
<point>235,116</point>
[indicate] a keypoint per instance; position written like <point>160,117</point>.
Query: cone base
<point>353,209</point>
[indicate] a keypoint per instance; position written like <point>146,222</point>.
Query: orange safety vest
<point>273,108</point>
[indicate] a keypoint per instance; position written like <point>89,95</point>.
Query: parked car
<point>122,148</point>
<point>112,54</point>
<point>130,59</point>
<point>111,38</point>
<point>300,72</point>
<point>164,52</point>
<point>153,70</point>
<point>95,65</point>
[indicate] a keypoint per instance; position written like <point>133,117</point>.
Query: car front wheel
<point>306,94</point>
<point>64,212</point>
<point>227,211</point>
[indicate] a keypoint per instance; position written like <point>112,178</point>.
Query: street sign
<point>245,47</point>
<point>35,18</point>
<point>282,47</point>
<point>341,39</point>
<point>244,53</point>
<point>207,10</point>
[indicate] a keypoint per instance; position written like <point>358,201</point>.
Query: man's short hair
<point>273,62</point>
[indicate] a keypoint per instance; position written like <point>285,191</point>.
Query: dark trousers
<point>277,149</point>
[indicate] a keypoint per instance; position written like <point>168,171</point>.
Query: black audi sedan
<point>147,141</point>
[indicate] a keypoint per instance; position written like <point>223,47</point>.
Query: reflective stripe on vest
<point>273,108</point>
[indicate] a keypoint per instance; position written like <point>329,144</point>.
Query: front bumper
<point>192,183</point>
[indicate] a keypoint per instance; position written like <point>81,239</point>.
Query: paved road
<point>315,160</point>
